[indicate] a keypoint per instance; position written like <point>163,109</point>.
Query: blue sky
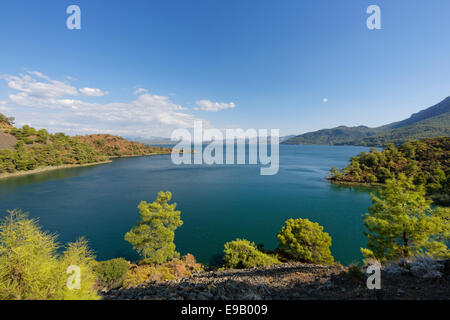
<point>146,67</point>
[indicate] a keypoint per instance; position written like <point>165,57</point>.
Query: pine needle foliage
<point>401,223</point>
<point>304,240</point>
<point>153,237</point>
<point>31,267</point>
<point>242,254</point>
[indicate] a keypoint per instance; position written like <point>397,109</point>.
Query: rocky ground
<point>424,280</point>
<point>7,141</point>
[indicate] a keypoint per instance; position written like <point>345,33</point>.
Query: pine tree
<point>401,223</point>
<point>304,240</point>
<point>32,269</point>
<point>153,237</point>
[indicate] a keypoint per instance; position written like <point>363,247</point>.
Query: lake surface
<point>217,203</point>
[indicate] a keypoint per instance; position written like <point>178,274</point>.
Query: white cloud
<point>92,92</point>
<point>35,87</point>
<point>59,106</point>
<point>140,90</point>
<point>207,105</point>
<point>39,74</point>
<point>325,100</point>
<point>37,84</point>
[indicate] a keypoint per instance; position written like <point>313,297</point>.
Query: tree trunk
<point>405,244</point>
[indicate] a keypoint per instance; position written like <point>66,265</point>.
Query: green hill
<point>427,161</point>
<point>334,136</point>
<point>26,149</point>
<point>429,123</point>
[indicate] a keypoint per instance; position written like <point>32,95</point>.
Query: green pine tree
<point>32,269</point>
<point>401,223</point>
<point>304,240</point>
<point>153,237</point>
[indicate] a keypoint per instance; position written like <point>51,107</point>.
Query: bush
<point>304,240</point>
<point>355,273</point>
<point>171,270</point>
<point>185,266</point>
<point>31,268</point>
<point>241,254</point>
<point>371,178</point>
<point>112,272</point>
<point>143,274</point>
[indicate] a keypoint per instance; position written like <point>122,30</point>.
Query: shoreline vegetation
<point>38,170</point>
<point>354,184</point>
<point>4,176</point>
<point>406,236</point>
<point>301,267</point>
<point>25,150</point>
<point>426,161</point>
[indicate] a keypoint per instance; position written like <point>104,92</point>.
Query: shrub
<point>371,178</point>
<point>304,240</point>
<point>112,272</point>
<point>171,270</point>
<point>355,273</point>
<point>185,266</point>
<point>242,253</point>
<point>143,274</point>
<point>78,254</point>
<point>31,268</point>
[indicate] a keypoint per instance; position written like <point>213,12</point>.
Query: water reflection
<point>354,189</point>
<point>15,182</point>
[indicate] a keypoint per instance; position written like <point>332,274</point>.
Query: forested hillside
<point>336,136</point>
<point>38,148</point>
<point>427,161</point>
<point>429,123</point>
<point>24,149</point>
<point>114,146</point>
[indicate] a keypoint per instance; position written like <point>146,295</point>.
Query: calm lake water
<point>217,203</point>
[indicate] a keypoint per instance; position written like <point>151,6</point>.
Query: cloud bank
<point>40,101</point>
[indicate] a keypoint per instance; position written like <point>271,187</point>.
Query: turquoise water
<point>217,203</point>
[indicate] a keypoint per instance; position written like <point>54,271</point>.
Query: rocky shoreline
<point>297,281</point>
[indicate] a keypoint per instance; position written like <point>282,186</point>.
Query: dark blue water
<point>217,203</point>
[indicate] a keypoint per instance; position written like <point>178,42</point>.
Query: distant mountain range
<point>429,123</point>
<point>167,141</point>
<point>151,140</point>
